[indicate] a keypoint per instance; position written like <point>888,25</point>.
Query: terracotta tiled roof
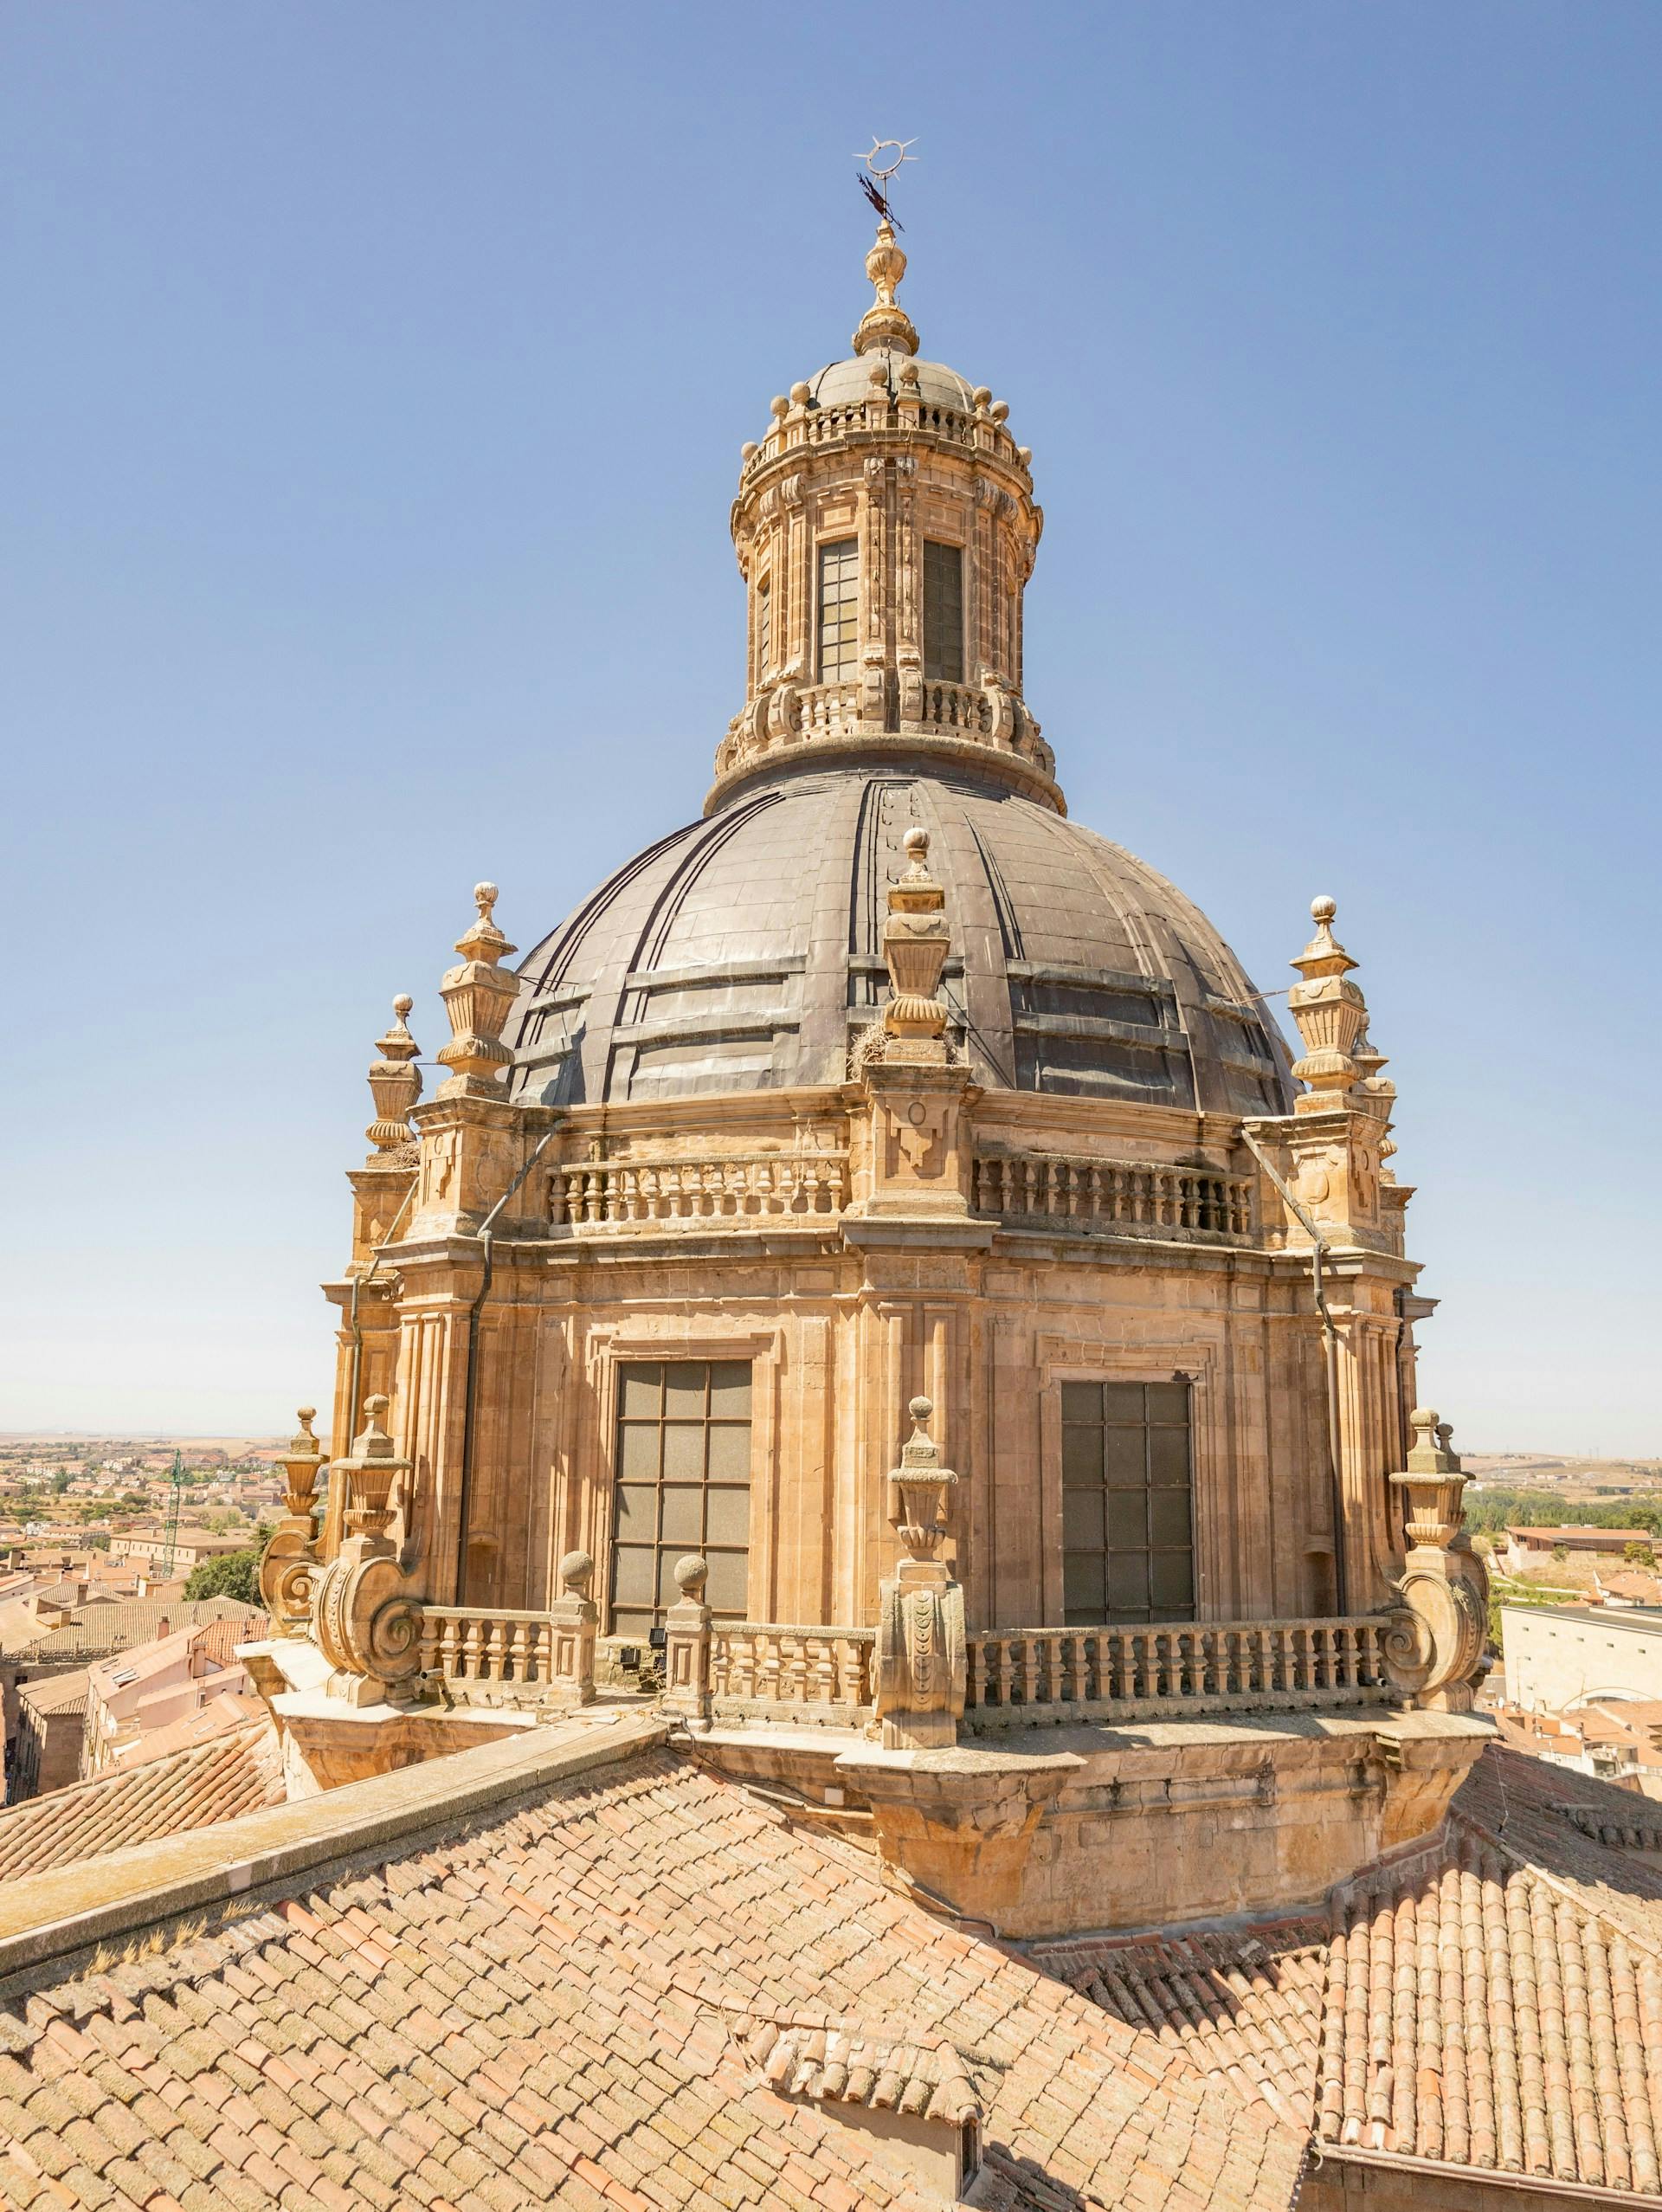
<point>1243,2005</point>
<point>57,1693</point>
<point>231,1710</point>
<point>105,1629</point>
<point>232,1774</point>
<point>537,2012</point>
<point>1494,2001</point>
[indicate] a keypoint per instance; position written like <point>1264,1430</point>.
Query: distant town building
<point>46,1749</point>
<point>1528,1547</point>
<point>1562,1656</point>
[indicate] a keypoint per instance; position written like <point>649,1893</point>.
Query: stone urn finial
<point>371,1470</point>
<point>915,943</point>
<point>921,1489</point>
<point>1330,1011</point>
<point>301,1463</point>
<point>477,997</point>
<point>394,1080</point>
<point>885,324</point>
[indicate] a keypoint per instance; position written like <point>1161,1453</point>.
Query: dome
<point>839,383</point>
<point>743,953</point>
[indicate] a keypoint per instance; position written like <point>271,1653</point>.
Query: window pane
<point>729,1389</point>
<point>684,1388</point>
<point>943,613</point>
<point>730,1454</point>
<point>1169,1454</point>
<point>1082,1456</point>
<point>637,1513</point>
<point>1173,1583</point>
<point>1082,1585</point>
<point>669,1590</point>
<point>1128,1581</point>
<point>1122,1401</point>
<point>1082,1519</point>
<point>1168,1522</point>
<point>637,1453</point>
<point>640,1392</point>
<point>631,1573</point>
<point>1169,1402</point>
<point>728,1583</point>
<point>633,1627</point>
<point>684,1452</point>
<point>1124,1454</point>
<point>1128,1520</point>
<point>1081,1401</point>
<point>729,1516</point>
<point>684,1516</point>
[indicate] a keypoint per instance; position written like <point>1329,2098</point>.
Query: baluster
<point>468,1659</point>
<point>795,1689</point>
<point>517,1665</point>
<point>768,1666</point>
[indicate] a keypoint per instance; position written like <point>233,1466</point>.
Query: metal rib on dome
<point>744,952</point>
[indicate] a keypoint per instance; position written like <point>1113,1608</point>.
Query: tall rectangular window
<point>763,628</point>
<point>943,613</point>
<point>682,1483</point>
<point>839,611</point>
<point>1128,1540</point>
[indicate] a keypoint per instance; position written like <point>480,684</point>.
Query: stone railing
<point>1127,1198</point>
<point>496,1656</point>
<point>1165,1672</point>
<point>956,708</point>
<point>828,710</point>
<point>802,1677</point>
<point>624,1193</point>
<point>809,427</point>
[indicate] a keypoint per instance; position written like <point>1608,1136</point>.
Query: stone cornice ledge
<point>46,1916</point>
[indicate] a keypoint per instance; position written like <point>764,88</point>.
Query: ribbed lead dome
<point>743,953</point>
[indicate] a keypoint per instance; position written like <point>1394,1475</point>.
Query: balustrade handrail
<point>603,1194</point>
<point>785,1670</point>
<point>1157,1666</point>
<point>1132,1198</point>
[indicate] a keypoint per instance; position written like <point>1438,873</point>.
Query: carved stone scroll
<point>290,1566</point>
<point>1434,1649</point>
<point>367,1621</point>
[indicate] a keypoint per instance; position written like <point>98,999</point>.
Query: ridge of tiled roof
<point>231,1774</point>
<point>536,2005</point>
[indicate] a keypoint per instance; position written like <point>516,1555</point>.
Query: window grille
<point>1127,1544</point>
<point>839,611</point>
<point>681,1484</point>
<point>943,613</point>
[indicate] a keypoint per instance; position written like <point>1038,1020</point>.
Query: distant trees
<point>1639,1555</point>
<point>233,1574</point>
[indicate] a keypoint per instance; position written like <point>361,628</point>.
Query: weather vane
<point>881,164</point>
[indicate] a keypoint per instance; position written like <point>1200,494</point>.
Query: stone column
<point>686,1645</point>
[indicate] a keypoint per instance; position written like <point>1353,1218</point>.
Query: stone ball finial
<point>306,1414</point>
<point>484,898</point>
<point>749,450</point>
<point>799,394</point>
<point>1000,410</point>
<point>377,1403</point>
<point>1323,910</point>
<point>778,407</point>
<point>575,1570</point>
<point>916,842</point>
<point>878,373</point>
<point>920,1410</point>
<point>1423,1417</point>
<point>692,1571</point>
<point>402,1005</point>
<point>909,373</point>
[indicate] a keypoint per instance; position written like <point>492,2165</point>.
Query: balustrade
<point>625,1193</point>
<point>494,1657</point>
<point>759,1670</point>
<point>1130,1198</point>
<point>1054,1674</point>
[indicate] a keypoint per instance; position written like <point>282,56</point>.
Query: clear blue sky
<point>374,386</point>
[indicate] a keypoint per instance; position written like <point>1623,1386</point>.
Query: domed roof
<point>839,383</point>
<point>743,953</point>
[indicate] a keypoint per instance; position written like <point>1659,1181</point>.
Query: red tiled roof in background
<point>232,1773</point>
